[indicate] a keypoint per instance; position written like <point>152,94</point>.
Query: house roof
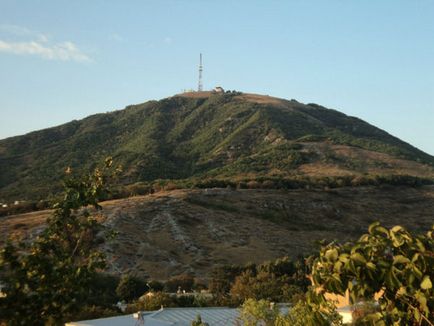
<point>183,317</point>
<point>169,317</point>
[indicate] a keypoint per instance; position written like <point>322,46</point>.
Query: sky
<point>65,60</point>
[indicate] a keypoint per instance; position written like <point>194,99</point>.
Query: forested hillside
<point>200,136</point>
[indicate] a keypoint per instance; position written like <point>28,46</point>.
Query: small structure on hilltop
<point>218,89</point>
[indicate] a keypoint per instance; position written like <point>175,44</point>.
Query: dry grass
<point>190,231</point>
<point>262,99</point>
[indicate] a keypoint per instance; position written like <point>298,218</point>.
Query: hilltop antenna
<point>200,85</point>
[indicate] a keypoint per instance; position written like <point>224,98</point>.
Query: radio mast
<point>200,85</point>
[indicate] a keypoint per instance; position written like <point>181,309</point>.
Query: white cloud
<point>16,30</point>
<point>65,51</point>
<point>168,40</point>
<point>22,32</point>
<point>23,41</point>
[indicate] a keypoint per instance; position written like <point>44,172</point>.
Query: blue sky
<point>64,60</point>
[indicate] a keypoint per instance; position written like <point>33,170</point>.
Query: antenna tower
<point>200,85</point>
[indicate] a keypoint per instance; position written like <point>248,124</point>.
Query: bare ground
<point>191,231</point>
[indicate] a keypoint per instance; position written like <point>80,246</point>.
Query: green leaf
<point>373,226</point>
<point>420,245</point>
<point>417,272</point>
<point>397,228</point>
<point>371,266</point>
<point>417,315</point>
<point>400,259</point>
<point>426,283</point>
<point>332,254</point>
<point>421,298</point>
<point>358,258</point>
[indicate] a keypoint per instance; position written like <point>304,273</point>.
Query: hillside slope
<point>204,135</point>
<point>192,231</point>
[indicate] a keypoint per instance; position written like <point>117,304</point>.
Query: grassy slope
<point>218,135</point>
<point>185,231</point>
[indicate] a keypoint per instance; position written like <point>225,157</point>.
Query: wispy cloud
<point>65,51</point>
<point>168,40</point>
<point>21,31</point>
<point>38,44</point>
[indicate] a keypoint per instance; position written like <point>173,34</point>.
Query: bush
<point>155,301</point>
<point>181,282</point>
<point>155,286</point>
<point>103,290</point>
<point>314,310</point>
<point>260,312</point>
<point>93,312</point>
<point>131,287</point>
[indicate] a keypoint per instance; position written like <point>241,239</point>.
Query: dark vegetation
<point>50,277</point>
<point>298,182</point>
<point>222,137</point>
<point>281,280</point>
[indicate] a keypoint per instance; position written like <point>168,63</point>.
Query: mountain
<point>193,230</point>
<point>202,136</point>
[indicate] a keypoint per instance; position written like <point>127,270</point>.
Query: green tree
<point>314,310</point>
<point>49,278</point>
<point>155,286</point>
<point>198,322</point>
<point>131,287</point>
<point>281,280</point>
<point>183,282</point>
<point>311,311</point>
<point>260,312</point>
<point>155,301</point>
<point>389,262</point>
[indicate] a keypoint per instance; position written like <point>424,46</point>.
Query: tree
<point>49,278</point>
<point>311,311</point>
<point>281,280</point>
<point>198,322</point>
<point>131,287</point>
<point>222,278</point>
<point>264,285</point>
<point>183,282</point>
<point>260,312</point>
<point>389,262</point>
<point>155,286</point>
<point>155,301</point>
<point>314,310</point>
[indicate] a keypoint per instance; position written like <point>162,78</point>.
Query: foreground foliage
<point>281,280</point>
<point>391,263</point>
<point>310,311</point>
<point>49,278</point>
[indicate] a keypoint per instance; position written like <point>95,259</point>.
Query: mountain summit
<point>208,135</point>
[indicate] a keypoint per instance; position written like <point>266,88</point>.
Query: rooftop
<point>184,316</point>
<point>169,317</point>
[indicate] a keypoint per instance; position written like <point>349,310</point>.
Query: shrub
<point>155,301</point>
<point>182,282</point>
<point>388,261</point>
<point>155,286</point>
<point>131,287</point>
<point>260,312</point>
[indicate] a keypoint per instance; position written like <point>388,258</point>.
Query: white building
<point>218,89</point>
